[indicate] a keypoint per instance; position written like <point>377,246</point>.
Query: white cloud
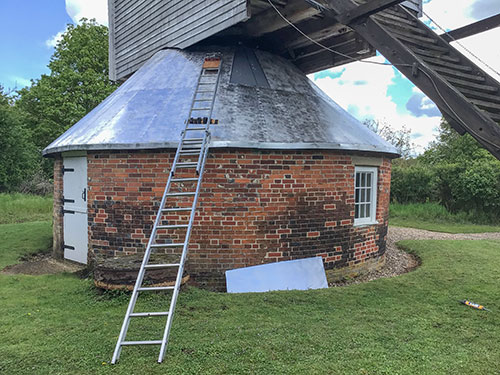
<point>481,46</point>
<point>53,40</point>
<point>78,9</point>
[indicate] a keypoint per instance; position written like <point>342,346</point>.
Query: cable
<point>461,45</point>
<point>328,48</point>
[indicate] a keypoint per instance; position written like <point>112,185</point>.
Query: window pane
<point>363,181</point>
<point>357,179</point>
<point>356,211</point>
<point>362,208</point>
<point>368,195</point>
<point>356,198</point>
<point>361,195</point>
<point>369,179</point>
<point>368,210</point>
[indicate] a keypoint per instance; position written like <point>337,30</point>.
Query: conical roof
<point>263,102</point>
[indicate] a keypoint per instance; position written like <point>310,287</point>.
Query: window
<point>365,195</point>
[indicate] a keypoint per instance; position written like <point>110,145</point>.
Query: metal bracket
<point>64,170</point>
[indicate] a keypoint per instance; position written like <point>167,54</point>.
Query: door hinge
<point>64,170</point>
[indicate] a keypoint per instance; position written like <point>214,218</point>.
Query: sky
<point>29,30</point>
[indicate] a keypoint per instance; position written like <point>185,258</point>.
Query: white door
<point>75,208</point>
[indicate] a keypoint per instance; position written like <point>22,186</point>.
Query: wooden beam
<point>472,29</point>
<point>316,28</point>
<point>365,10</point>
<point>269,20</point>
<point>325,59</point>
<point>334,42</point>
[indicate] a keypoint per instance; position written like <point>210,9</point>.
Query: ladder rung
<point>152,342</point>
<point>156,245</point>
<point>164,265</point>
<point>184,179</point>
<point>186,165</point>
<point>200,109</point>
<point>196,129</point>
<point>189,153</point>
<point>183,194</point>
<point>172,226</point>
<point>177,209</point>
<point>146,314</point>
<point>203,91</point>
<point>195,140</point>
<point>153,288</point>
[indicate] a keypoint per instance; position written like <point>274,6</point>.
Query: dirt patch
<point>398,261</point>
<point>41,264</point>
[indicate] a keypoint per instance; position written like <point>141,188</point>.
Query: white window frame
<point>373,198</point>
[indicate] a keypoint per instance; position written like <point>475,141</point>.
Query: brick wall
<point>254,207</point>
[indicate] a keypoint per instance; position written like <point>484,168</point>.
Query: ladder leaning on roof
<point>175,200</point>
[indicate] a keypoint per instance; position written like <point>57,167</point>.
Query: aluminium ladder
<point>189,163</point>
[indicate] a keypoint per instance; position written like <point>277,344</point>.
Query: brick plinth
<point>255,207</point>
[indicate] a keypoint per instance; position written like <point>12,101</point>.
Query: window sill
<point>366,224</point>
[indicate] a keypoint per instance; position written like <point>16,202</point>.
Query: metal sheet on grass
<point>299,274</point>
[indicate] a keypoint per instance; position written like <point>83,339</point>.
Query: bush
<point>478,187</point>
<point>472,189</point>
<point>415,183</point>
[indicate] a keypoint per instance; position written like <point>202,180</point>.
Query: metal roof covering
<point>289,112</point>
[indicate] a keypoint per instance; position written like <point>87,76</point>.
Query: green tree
<point>18,158</point>
<point>451,147</point>
<point>78,81</point>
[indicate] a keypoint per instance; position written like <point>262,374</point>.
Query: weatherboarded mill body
<point>289,173</point>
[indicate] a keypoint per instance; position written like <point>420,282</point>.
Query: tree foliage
<point>454,171</point>
<point>18,157</point>
<point>78,81</point>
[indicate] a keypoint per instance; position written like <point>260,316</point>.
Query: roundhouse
<point>289,173</point>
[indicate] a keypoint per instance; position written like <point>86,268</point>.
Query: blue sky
<point>29,31</point>
<point>25,25</point>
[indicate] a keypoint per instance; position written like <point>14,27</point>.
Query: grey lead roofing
<point>265,102</point>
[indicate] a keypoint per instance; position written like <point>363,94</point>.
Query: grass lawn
<point>411,324</point>
<point>432,216</point>
<point>18,208</point>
